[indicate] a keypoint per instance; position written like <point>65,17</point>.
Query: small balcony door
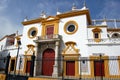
<point>50,31</point>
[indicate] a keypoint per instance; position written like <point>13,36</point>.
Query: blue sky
<point>13,12</point>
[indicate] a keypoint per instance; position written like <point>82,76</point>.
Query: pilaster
<point>55,67</point>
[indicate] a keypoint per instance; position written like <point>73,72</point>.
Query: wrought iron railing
<point>45,37</point>
<point>111,64</point>
<point>111,23</point>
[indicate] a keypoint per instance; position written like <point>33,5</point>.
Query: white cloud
<point>110,9</point>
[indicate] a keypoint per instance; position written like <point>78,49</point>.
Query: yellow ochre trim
<point>55,24</point>
<point>27,58</point>
<point>76,13</point>
<point>106,65</point>
<point>71,57</point>
<point>60,16</point>
<point>68,23</point>
<point>98,26</point>
<point>29,35</point>
<point>12,58</point>
<point>97,31</point>
<point>32,21</point>
<point>2,76</point>
<point>38,78</point>
<point>76,65</point>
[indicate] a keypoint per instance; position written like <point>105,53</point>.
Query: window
<point>116,35</point>
<point>32,32</point>
<point>50,31</point>
<point>10,41</point>
<point>96,35</point>
<point>70,27</point>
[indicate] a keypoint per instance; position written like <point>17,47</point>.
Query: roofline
<point>38,20</point>
<point>113,29</point>
<point>8,36</point>
<point>62,15</point>
<point>76,13</point>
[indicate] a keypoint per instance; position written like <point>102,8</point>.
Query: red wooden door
<point>99,68</point>
<point>50,31</point>
<point>70,68</point>
<point>28,66</point>
<point>48,62</point>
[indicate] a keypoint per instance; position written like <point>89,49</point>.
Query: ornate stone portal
<point>41,47</point>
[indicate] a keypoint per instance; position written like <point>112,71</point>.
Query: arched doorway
<point>48,62</point>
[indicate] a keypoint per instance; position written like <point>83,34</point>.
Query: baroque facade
<point>68,44</point>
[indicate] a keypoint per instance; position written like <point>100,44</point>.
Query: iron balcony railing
<point>111,23</point>
<point>46,37</point>
<point>105,41</point>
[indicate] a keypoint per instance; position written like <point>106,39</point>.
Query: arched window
<point>116,35</point>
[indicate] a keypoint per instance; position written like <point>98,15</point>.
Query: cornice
<point>57,17</point>
<point>94,26</point>
<point>38,20</point>
<point>113,29</point>
<point>76,13</point>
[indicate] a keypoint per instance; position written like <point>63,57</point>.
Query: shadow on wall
<point>3,59</point>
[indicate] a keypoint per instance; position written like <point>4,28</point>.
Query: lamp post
<point>18,44</point>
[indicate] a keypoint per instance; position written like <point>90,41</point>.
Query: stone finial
<point>26,19</point>
<point>74,6</point>
<point>43,14</point>
<point>104,21</point>
<point>17,33</point>
<point>84,5</point>
<point>58,11</point>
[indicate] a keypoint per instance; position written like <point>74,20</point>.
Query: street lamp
<point>18,44</point>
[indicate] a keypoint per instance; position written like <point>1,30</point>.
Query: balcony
<point>48,38</point>
<point>105,41</point>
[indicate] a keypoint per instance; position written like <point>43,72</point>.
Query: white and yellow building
<point>72,44</point>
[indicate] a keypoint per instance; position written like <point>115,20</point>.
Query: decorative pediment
<point>96,30</point>
<point>70,49</point>
<point>50,18</point>
<point>30,50</point>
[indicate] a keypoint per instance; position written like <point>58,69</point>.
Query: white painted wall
<point>103,33</point>
<point>25,39</point>
<point>3,43</point>
<point>107,49</point>
<point>114,66</point>
<point>80,37</point>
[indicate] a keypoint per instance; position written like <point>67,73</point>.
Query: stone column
<point>55,67</point>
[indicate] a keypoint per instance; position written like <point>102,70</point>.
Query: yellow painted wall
<point>2,76</point>
<point>41,78</point>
